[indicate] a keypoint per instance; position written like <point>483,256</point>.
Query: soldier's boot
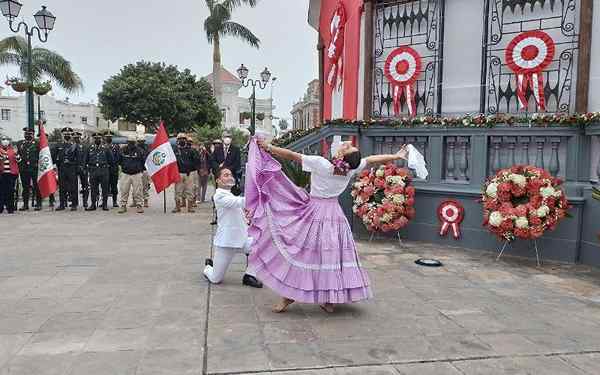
<point>92,207</point>
<point>146,203</point>
<point>123,209</point>
<point>25,207</point>
<point>115,201</point>
<point>105,204</point>
<point>140,210</point>
<point>190,207</point>
<point>177,208</point>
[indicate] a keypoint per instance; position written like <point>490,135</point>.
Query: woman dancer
<point>304,249</point>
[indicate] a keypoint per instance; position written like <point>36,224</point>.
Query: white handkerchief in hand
<point>416,161</point>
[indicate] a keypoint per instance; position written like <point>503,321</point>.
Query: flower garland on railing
<point>477,121</point>
<point>467,121</point>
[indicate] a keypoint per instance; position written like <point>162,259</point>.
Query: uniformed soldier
<point>57,151</point>
<point>70,159</point>
<point>98,160</point>
<point>145,177</point>
<point>187,159</point>
<point>131,160</point>
<point>29,151</point>
<point>82,174</point>
<point>113,171</point>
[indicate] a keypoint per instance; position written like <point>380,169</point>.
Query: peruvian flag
<point>46,174</point>
<point>161,163</point>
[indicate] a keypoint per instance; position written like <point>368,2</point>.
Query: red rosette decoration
<point>451,213</point>
<point>384,198</point>
<point>335,50</point>
<point>528,54</point>
<point>402,68</point>
<point>523,202</point>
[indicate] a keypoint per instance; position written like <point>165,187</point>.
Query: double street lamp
<point>45,23</point>
<point>265,76</point>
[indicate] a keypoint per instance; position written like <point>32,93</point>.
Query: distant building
<point>234,107</point>
<point>306,114</point>
<point>85,117</point>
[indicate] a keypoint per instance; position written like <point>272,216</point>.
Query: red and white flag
<point>46,173</point>
<point>161,163</point>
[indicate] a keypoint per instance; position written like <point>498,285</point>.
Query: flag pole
<point>165,201</point>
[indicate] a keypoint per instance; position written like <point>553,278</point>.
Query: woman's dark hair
<point>353,159</point>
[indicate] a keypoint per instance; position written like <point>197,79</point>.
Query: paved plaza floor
<point>101,293</point>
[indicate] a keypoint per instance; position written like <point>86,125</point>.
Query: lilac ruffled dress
<point>303,247</point>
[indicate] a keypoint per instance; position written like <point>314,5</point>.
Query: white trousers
<point>221,261</point>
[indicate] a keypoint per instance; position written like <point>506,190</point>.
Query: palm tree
<point>218,24</point>
<point>45,63</point>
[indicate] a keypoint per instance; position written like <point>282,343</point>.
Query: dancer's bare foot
<point>282,305</point>
<point>328,308</point>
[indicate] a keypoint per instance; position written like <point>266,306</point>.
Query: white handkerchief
<point>416,161</point>
<point>335,144</point>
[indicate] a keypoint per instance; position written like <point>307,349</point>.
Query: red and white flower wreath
<point>384,198</point>
<point>523,202</point>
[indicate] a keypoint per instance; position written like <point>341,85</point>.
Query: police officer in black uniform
<point>82,175</point>
<point>98,159</point>
<point>70,159</point>
<point>28,167</point>
<point>113,171</point>
<point>57,151</point>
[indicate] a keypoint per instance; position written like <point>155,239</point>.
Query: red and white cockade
<point>451,213</point>
<point>402,69</point>
<point>528,54</point>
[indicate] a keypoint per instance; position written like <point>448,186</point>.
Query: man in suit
<point>232,232</point>
<point>228,156</point>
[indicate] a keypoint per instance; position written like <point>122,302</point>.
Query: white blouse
<point>323,183</point>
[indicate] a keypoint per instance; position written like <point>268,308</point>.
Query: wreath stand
<point>373,234</point>
<point>535,246</point>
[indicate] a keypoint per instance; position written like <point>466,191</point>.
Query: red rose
<point>506,209</point>
<point>521,210</point>
<point>561,213</point>
<point>369,190</point>
<point>534,220</point>
<point>365,173</point>
<point>504,187</point>
<point>507,225</point>
<point>402,172</point>
<point>491,204</point>
<point>403,221</point>
<point>410,202</point>
<point>536,232</point>
<point>522,233</point>
<point>386,227</point>
<point>557,181</point>
<point>389,172</point>
<point>518,191</point>
<point>379,183</point>
<point>536,201</point>
<point>410,191</point>
<point>398,190</point>
<point>410,212</point>
<point>551,203</point>
<point>504,196</point>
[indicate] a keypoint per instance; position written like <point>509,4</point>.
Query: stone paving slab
<point>100,293</point>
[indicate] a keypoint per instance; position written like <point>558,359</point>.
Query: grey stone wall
<point>460,159</point>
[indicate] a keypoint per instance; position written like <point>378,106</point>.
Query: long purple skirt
<point>303,247</point>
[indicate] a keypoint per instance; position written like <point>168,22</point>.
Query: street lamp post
<point>265,76</point>
<point>45,23</point>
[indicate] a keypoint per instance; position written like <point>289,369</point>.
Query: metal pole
<point>165,201</point>
<point>39,109</point>
<point>253,120</point>
<point>30,108</point>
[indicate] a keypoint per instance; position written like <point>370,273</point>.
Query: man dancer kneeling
<point>232,231</point>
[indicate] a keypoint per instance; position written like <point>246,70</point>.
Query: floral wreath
<point>523,202</point>
<point>384,198</point>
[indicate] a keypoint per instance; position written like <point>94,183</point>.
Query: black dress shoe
<point>60,208</point>
<point>24,208</point>
<point>251,281</point>
<point>208,262</point>
<point>74,208</point>
<point>91,208</point>
<point>37,208</point>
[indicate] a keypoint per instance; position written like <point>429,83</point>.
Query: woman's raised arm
<point>280,152</point>
<point>382,159</point>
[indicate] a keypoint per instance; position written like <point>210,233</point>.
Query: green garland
<point>467,121</point>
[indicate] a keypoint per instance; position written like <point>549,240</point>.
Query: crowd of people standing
<point>91,173</point>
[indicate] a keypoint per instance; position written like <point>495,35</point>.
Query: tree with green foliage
<point>146,93</point>
<point>46,64</point>
<point>218,24</point>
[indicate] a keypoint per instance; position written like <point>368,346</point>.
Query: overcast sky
<point>99,37</point>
